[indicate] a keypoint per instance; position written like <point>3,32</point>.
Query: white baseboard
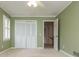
<point>5,50</point>
<point>69,55</point>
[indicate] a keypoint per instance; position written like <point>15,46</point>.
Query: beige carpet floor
<point>16,52</point>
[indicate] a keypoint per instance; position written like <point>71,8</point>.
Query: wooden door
<point>48,34</point>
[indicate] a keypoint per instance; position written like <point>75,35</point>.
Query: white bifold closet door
<point>25,34</point>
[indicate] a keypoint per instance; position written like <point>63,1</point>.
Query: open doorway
<point>48,34</point>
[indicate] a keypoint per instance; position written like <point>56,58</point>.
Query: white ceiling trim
<point>63,9</point>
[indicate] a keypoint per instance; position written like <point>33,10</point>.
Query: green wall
<point>39,27</point>
<point>69,28</point>
<point>6,43</point>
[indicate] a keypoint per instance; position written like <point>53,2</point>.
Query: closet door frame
<point>16,20</point>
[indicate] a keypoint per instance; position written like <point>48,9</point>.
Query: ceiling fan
<point>34,3</point>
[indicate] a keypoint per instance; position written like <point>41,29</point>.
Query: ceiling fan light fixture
<point>32,3</point>
<point>29,4</point>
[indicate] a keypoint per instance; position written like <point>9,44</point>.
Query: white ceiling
<point>45,8</point>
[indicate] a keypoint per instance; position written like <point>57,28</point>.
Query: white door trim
<point>55,44</point>
<point>16,20</point>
